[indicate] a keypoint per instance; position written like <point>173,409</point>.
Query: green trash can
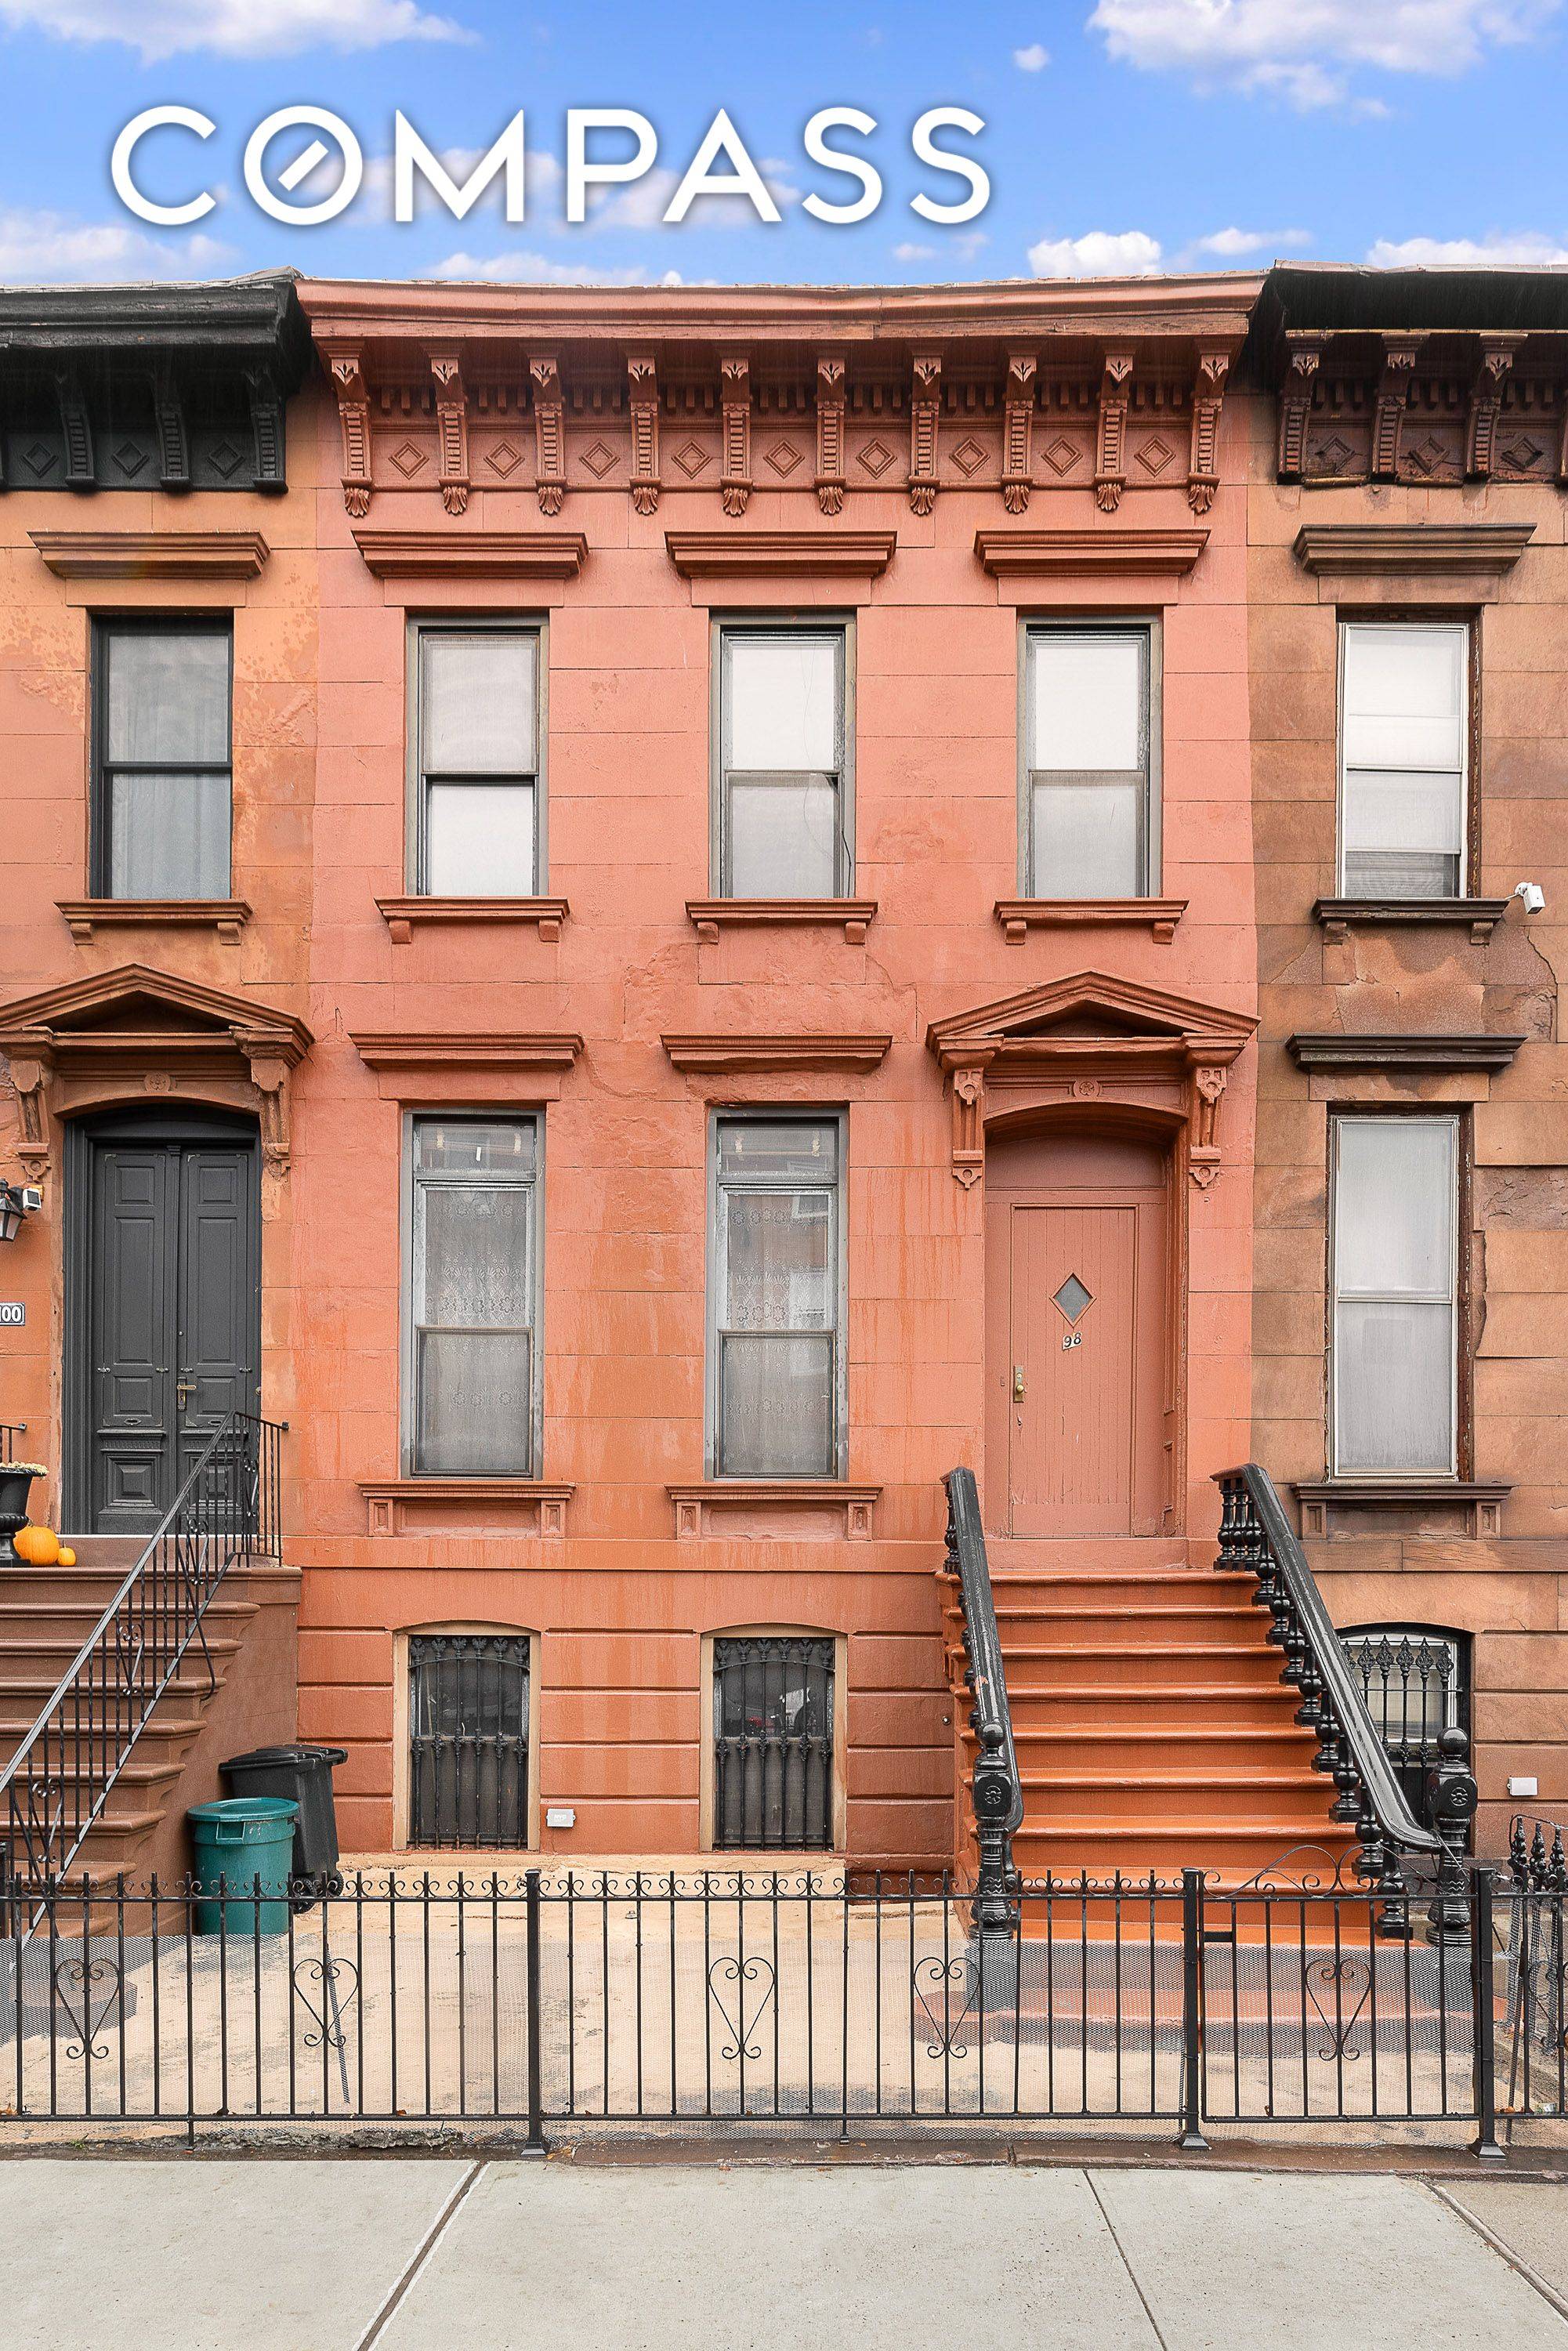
<point>238,1840</point>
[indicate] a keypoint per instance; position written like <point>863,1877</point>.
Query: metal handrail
<point>54,1786</point>
<point>996,1787</point>
<point>1256,1535</point>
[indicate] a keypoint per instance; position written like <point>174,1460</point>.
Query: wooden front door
<point>166,1322</point>
<point>1076,1270</point>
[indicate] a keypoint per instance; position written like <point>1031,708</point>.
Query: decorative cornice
<point>472,554</point>
<point>152,554</point>
<point>549,432</point>
<point>1116,548</point>
<point>1479,916</point>
<point>226,916</point>
<point>1484,550</point>
<point>709,1053</point>
<point>404,916</point>
<point>513,1052</point>
<point>735,464</point>
<point>1332,1050</point>
<point>782,554</point>
<point>345,371</point>
<point>1159,916</point>
<point>712,915</point>
<point>925,430</point>
<point>643,399</point>
<point>830,390</point>
<point>1207,401</point>
<point>451,430</point>
<point>1111,435</point>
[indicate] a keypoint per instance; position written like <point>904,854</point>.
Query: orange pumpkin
<point>67,1557</point>
<point>37,1546</point>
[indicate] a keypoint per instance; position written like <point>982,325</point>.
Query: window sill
<point>1480,917</point>
<point>1159,916</point>
<point>224,916</point>
<point>853,915</point>
<point>756,1506</point>
<point>1480,1502</point>
<point>402,917</point>
<point>470,1505</point>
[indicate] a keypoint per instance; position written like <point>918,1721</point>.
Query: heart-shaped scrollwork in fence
<point>42,1815</point>
<point>1339,1979</point>
<point>130,1652</point>
<point>84,1977</point>
<point>741,1978</point>
<point>940,1978</point>
<point>337,1981</point>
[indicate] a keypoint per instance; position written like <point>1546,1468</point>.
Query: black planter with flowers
<point>15,1479</point>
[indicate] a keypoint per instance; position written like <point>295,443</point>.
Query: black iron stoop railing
<point>1256,1537</point>
<point>55,1785</point>
<point>996,1788</point>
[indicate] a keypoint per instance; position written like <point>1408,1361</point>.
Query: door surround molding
<point>1090,1042</point>
<point>121,1037</point>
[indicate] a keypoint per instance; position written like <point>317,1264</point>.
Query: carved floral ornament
<point>134,1032</point>
<point>1090,1038</point>
<point>1133,414</point>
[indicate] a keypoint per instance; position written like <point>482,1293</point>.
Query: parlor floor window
<point>775,1286</point>
<point>1396,1322</point>
<point>163,743</point>
<point>1403,725</point>
<point>474,1296</point>
<point>478,808</point>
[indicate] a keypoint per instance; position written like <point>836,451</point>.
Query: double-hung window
<point>164,757</point>
<point>1396,1296</point>
<point>478,814</point>
<point>1090,815</point>
<point>1404,724</point>
<point>474,1297</point>
<point>776,1305</point>
<point>782,818</point>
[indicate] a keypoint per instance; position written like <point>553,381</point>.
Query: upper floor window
<point>1394,1355</point>
<point>162,739</point>
<point>775,1296</point>
<point>782,814</point>
<point>1403,735</point>
<point>474,1297</point>
<point>1089,817</point>
<point>477,814</point>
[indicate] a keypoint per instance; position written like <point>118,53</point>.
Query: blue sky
<point>1120,134</point>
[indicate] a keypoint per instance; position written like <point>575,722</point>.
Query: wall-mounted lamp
<point>17,1201</point>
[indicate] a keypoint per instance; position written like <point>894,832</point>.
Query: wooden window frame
<point>1147,627</point>
<point>840,629</point>
<point>469,1114</point>
<point>776,1115</point>
<point>481,623</point>
<point>100,844</point>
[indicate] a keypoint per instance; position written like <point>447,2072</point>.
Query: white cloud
<point>915,253</point>
<point>1127,253</point>
<point>537,269</point>
<point>1309,52</point>
<point>1527,251</point>
<point>372,207</point>
<point>1243,243</point>
<point>45,248</point>
<point>1034,59</point>
<point>235,28</point>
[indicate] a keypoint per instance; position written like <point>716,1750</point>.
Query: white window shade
<point>478,713</point>
<point>1088,701</point>
<point>783,700</point>
<point>1402,758</point>
<point>1395,1357</point>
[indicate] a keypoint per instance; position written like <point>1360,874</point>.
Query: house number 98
<point>1074,1339</point>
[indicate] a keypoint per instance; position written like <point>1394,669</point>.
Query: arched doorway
<point>1079,1252</point>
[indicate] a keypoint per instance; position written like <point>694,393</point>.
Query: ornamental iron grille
<point>468,1739</point>
<point>773,1744</point>
<point>1416,1681</point>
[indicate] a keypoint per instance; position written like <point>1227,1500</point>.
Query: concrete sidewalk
<point>419,2254</point>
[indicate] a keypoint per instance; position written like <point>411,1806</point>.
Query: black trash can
<point>305,1773</point>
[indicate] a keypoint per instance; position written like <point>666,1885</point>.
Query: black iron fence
<point>55,1785</point>
<point>552,2004</point>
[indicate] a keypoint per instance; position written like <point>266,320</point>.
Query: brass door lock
<point>1018,1384</point>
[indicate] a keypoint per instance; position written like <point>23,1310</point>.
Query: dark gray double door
<point>166,1323</point>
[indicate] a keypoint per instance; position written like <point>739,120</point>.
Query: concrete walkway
<point>417,2255</point>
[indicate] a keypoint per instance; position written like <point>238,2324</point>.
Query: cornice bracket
<point>642,393</point>
<point>1207,401</point>
<point>346,370</point>
<point>1296,404</point>
<point>736,468</point>
<point>1110,434</point>
<point>1399,355</point>
<point>830,389</point>
<point>924,431</point>
<point>1486,403</point>
<point>451,430</point>
<point>173,441</point>
<point>1018,424</point>
<point>549,432</point>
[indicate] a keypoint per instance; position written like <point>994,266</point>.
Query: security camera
<point>1533,895</point>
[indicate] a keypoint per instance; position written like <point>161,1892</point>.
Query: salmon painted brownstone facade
<point>656,916</point>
